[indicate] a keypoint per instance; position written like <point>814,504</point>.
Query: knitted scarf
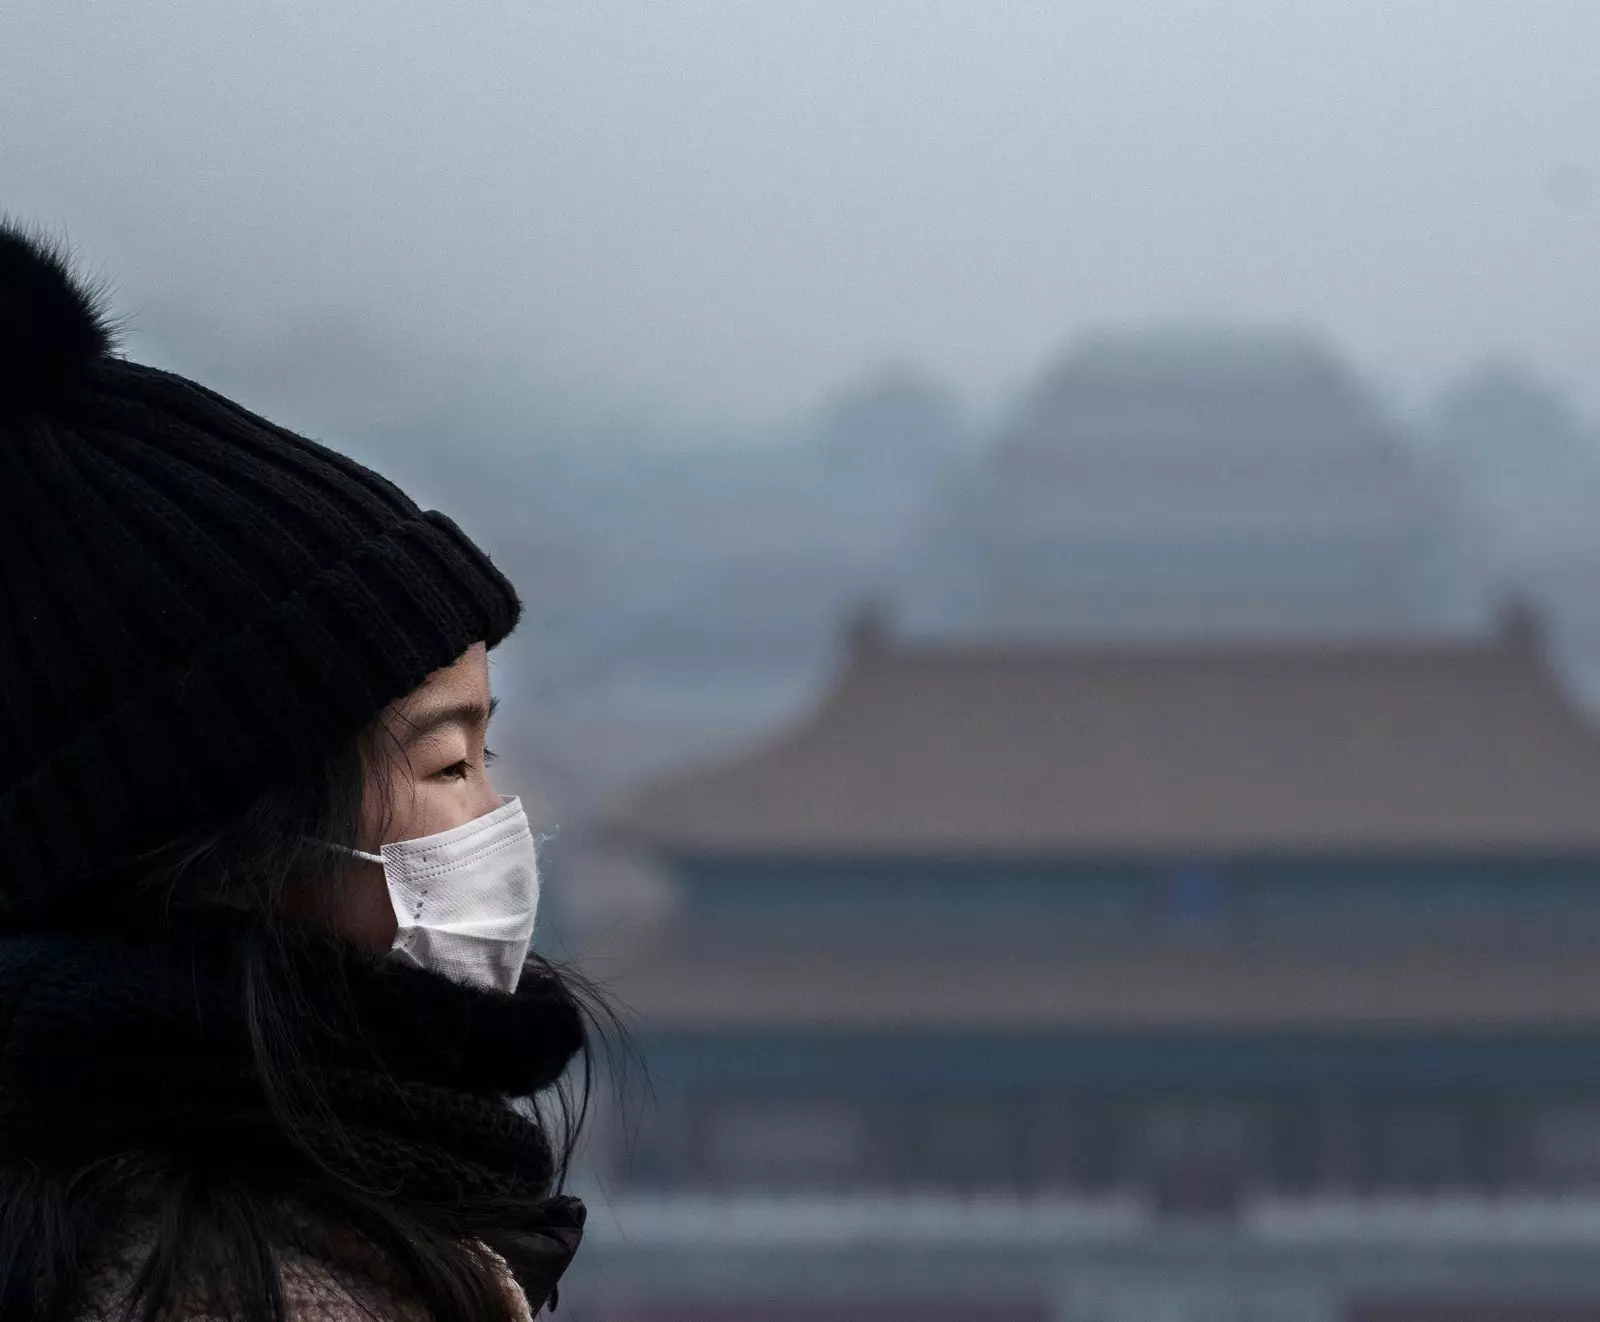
<point>111,1045</point>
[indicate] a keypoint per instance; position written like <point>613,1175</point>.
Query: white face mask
<point>465,899</point>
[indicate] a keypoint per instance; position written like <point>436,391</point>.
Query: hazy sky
<point>730,207</point>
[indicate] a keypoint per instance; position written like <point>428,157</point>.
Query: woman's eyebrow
<point>472,715</point>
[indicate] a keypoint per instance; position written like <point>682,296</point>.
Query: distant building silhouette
<point>1526,466</point>
<point>1196,484</point>
<point>705,605</point>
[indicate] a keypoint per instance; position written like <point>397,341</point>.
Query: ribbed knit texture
<point>193,602</point>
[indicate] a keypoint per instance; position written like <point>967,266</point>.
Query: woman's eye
<point>489,756</point>
<point>464,768</point>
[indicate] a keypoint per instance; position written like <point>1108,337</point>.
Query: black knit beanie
<point>194,602</point>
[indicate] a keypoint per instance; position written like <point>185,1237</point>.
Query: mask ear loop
<point>346,849</point>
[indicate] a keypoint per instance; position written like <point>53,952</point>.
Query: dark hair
<point>220,1236</point>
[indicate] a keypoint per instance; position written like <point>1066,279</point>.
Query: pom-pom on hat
<point>193,600</point>
<point>52,326</point>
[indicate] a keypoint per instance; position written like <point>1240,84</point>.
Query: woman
<point>263,1003</point>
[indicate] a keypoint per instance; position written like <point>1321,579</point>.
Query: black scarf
<point>111,1044</point>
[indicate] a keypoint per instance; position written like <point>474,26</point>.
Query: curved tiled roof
<point>939,750</point>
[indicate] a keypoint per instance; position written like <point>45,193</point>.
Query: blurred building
<point>1212,981</point>
<point>1525,466</point>
<point>1197,483</point>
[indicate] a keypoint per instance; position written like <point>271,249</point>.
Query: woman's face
<point>435,777</point>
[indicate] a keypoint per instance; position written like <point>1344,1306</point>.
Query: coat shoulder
<point>313,1290</point>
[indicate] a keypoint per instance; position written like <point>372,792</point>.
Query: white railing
<point>931,1219</point>
<point>849,1219</point>
<point>1438,1219</point>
